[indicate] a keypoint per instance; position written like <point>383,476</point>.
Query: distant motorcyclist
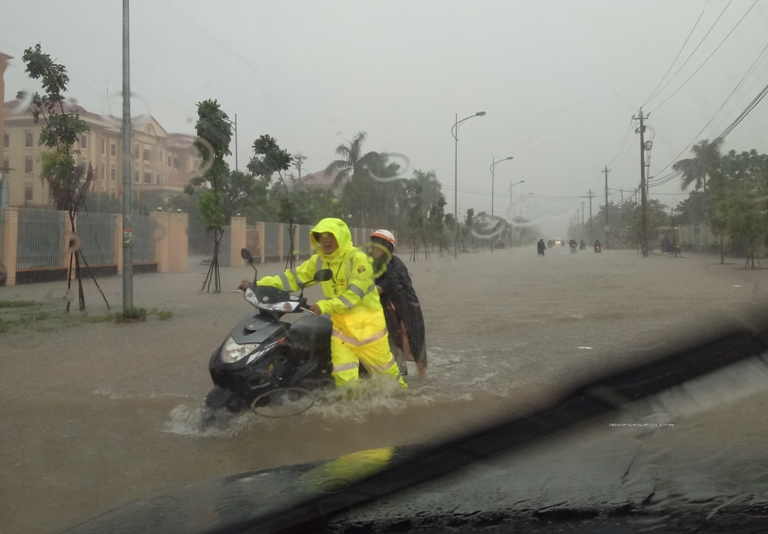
<point>582,245</point>
<point>597,243</point>
<point>541,246</point>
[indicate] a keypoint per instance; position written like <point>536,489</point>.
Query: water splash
<point>204,422</point>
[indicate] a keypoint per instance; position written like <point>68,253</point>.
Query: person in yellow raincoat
<point>359,330</point>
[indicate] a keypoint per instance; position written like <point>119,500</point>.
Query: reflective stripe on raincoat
<point>351,297</point>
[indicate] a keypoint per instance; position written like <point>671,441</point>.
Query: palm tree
<point>695,170</point>
<point>353,166</point>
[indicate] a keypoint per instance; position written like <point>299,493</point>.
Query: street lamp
<point>455,134</point>
<point>234,124</point>
<point>510,191</point>
<point>493,177</point>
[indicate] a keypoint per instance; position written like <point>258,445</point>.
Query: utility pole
<point>643,190</point>
<point>607,228</point>
<point>127,196</point>
<point>621,218</point>
<point>591,233</point>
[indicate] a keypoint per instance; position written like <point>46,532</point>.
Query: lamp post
<point>493,180</point>
<point>234,125</point>
<point>455,134</point>
<point>510,191</point>
<point>493,177</point>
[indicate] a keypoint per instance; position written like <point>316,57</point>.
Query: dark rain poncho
<point>398,293</point>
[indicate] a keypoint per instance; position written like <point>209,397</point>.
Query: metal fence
<point>252,242</point>
<point>40,241</point>
<point>225,246</point>
<point>97,237</point>
<point>271,240</point>
<point>143,239</point>
<point>2,241</point>
<point>287,239</point>
<point>305,247</point>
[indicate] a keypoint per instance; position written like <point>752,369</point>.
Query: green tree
<point>68,183</point>
<point>369,178</point>
<point>268,159</point>
<point>215,134</point>
<point>703,164</point>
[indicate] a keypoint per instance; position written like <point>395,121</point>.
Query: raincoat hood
<point>341,232</point>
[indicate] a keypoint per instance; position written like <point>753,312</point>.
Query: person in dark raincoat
<point>541,246</point>
<point>402,309</point>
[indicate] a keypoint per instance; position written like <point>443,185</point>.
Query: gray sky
<point>559,80</point>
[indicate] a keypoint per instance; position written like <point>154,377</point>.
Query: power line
<point>733,124</point>
<point>621,147</point>
<point>737,103</point>
<point>653,93</point>
<point>752,105</point>
<point>629,149</point>
<point>707,59</point>
<point>694,50</point>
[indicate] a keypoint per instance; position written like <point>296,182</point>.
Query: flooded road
<point>100,414</point>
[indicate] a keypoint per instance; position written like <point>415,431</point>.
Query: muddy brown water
<point>100,414</point>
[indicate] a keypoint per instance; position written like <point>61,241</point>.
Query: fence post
<point>178,243</point>
<point>237,232</point>
<point>280,229</point>
<point>262,239</point>
<point>10,243</point>
<point>161,238</point>
<point>118,242</point>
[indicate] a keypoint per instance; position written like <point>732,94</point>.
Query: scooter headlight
<point>232,352</point>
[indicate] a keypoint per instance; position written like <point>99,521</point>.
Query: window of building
<point>84,142</point>
<point>136,151</point>
<point>28,141</point>
<point>112,194</point>
<point>113,149</point>
<point>29,194</point>
<point>176,162</point>
<point>103,171</point>
<point>157,178</point>
<point>6,165</point>
<point>28,164</point>
<point>146,155</point>
<point>136,176</point>
<point>6,140</point>
<point>113,174</point>
<point>147,177</point>
<point>103,146</point>
<point>169,161</point>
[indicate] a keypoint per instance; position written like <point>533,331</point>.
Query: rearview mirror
<point>246,255</point>
<point>323,275</point>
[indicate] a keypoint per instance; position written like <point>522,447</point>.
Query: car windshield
<point>474,207</point>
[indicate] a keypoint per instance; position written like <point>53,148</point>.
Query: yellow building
<point>161,163</point>
<point>4,58</point>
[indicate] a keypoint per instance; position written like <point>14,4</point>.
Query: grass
<point>46,316</point>
<point>20,303</point>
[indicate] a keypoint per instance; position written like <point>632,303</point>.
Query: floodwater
<point>101,414</point>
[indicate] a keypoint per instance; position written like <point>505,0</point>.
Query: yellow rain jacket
<point>351,297</point>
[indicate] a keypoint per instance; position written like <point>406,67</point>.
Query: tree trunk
<point>722,257</point>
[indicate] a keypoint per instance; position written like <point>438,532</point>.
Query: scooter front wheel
<point>283,402</point>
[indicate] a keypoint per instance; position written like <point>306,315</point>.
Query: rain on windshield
<point>486,201</point>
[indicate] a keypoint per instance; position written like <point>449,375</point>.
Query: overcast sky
<point>559,80</point>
